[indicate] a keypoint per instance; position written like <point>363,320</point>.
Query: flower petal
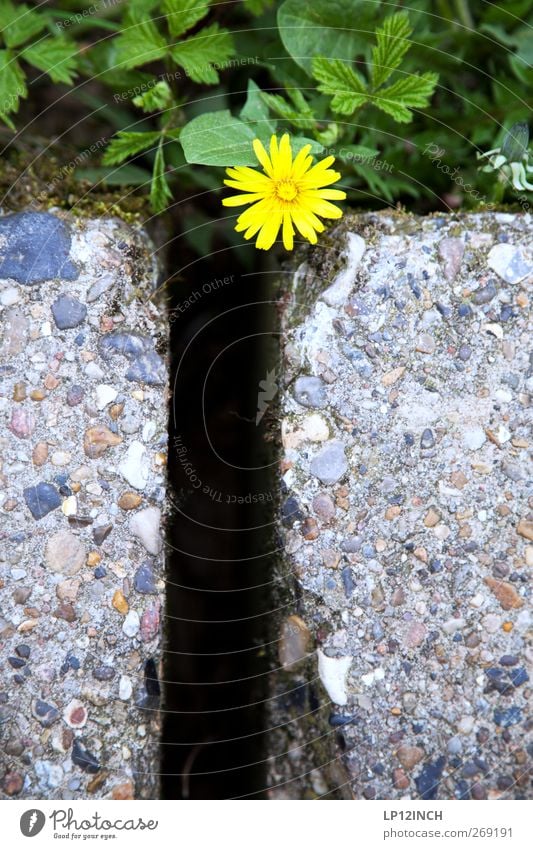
<point>241,200</point>
<point>269,231</point>
<point>326,194</point>
<point>262,156</point>
<point>288,231</point>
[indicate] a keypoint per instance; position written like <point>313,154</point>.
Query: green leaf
<point>280,107</point>
<point>157,98</point>
<point>19,23</point>
<point>160,193</point>
<point>339,80</point>
<point>413,91</point>
<point>182,15</point>
<point>339,29</point>
<point>140,42</point>
<point>217,138</point>
<point>357,153</point>
<point>392,45</point>
<point>200,55</point>
<point>126,144</point>
<point>257,7</point>
<point>12,85</point>
<point>57,56</point>
<point>255,111</point>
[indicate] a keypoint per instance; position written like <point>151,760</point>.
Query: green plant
<point>30,37</point>
<point>192,82</point>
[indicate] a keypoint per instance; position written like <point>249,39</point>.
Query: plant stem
<point>464,15</point>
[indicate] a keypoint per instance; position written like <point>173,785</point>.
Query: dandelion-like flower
<point>289,193</point>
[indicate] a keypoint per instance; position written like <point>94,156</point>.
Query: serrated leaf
<point>56,56</point>
<point>182,15</point>
<point>12,85</point>
<point>282,109</point>
<point>410,92</point>
<point>160,193</point>
<point>140,42</point>
<point>126,144</point>
<point>19,23</point>
<point>340,81</point>
<point>157,98</point>
<point>392,45</point>
<point>199,55</point>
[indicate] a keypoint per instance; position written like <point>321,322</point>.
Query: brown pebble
<point>416,634</point>
<point>98,439</point>
<point>123,791</point>
<point>66,612</point>
<point>37,395</point>
<point>13,783</point>
<point>19,392</point>
<point>505,593</point>
<point>399,779</point>
<point>324,507</point>
<point>119,602</point>
<point>398,597</point>
<point>98,781</point>
<point>309,529</point>
<point>472,640</point>
<point>93,558</point>
<point>21,595</point>
<point>330,558</point>
<point>9,504</point>
<point>432,518</point>
<point>392,512</point>
<point>409,756</point>
<point>39,454</point>
<point>294,641</point>
<point>392,376</point>
<point>116,411</point>
<point>51,382</point>
<point>67,591</point>
<point>525,529</point>
<point>129,500</point>
<point>458,480</point>
<point>27,625</point>
<point>477,791</point>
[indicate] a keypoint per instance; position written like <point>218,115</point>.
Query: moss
<point>23,185</point>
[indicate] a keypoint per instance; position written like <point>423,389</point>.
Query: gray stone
<point>310,392</point>
<point>68,312</point>
<point>509,263</point>
<point>146,365</point>
<point>34,247</point>
<point>330,464</point>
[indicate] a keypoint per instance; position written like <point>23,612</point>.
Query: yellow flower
<point>289,192</point>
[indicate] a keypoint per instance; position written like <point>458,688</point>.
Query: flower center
<point>286,190</point>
